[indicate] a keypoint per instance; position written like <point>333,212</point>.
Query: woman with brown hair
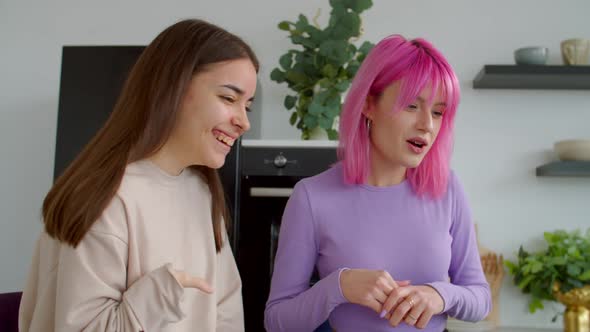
<point>135,234</point>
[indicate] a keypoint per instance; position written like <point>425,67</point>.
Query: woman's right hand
<point>188,281</point>
<point>369,288</point>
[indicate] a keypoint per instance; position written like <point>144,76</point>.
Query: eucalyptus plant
<point>321,69</point>
<point>566,261</point>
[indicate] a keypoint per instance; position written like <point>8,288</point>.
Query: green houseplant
<point>322,68</point>
<point>563,266</point>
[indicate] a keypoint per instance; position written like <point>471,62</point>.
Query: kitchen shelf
<point>533,77</point>
<point>565,168</point>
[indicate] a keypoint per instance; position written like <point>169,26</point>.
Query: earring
<point>368,123</point>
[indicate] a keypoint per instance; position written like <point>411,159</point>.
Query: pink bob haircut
<point>415,63</point>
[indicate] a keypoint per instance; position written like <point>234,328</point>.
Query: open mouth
<point>419,143</point>
<point>224,139</point>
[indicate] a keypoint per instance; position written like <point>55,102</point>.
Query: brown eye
<point>228,99</point>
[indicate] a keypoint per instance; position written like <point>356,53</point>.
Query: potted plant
<point>321,69</point>
<point>561,272</point>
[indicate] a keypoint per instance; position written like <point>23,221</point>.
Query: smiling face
<point>401,139</point>
<point>212,113</point>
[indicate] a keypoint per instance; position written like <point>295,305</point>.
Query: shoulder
<point>455,190</point>
<point>113,221</point>
<point>328,180</point>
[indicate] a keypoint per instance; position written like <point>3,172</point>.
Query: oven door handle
<point>270,192</point>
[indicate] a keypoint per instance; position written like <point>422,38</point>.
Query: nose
<point>241,121</point>
<point>425,120</point>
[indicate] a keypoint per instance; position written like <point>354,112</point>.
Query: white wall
<point>501,136</point>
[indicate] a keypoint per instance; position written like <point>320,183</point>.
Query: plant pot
<point>318,133</point>
<point>577,312</point>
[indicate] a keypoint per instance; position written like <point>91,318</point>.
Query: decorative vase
<point>318,133</point>
<point>577,304</point>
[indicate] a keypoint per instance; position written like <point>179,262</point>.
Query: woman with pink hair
<point>388,228</point>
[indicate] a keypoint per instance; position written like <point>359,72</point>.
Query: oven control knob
<point>280,161</point>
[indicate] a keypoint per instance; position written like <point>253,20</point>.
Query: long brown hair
<point>140,124</point>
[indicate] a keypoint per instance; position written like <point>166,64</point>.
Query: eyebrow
<point>437,104</point>
<point>236,90</point>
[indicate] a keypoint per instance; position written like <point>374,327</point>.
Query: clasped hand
<point>395,301</point>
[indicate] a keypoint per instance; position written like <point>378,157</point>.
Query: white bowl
<point>573,149</point>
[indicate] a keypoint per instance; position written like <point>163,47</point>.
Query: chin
<point>216,164</point>
<point>413,162</point>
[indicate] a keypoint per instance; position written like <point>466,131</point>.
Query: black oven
<point>268,172</point>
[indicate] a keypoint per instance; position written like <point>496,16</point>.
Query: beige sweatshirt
<point>118,278</point>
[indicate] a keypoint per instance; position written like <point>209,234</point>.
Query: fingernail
<point>383,313</point>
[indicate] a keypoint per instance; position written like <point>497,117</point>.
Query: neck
<point>383,173</point>
<point>166,160</point>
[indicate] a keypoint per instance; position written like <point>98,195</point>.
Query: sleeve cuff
<point>441,288</point>
<point>340,299</point>
<point>156,298</point>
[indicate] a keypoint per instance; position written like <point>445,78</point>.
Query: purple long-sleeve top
<point>330,225</point>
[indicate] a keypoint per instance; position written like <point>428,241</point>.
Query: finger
<point>379,295</point>
<point>400,312</point>
<point>495,263</point>
<point>424,319</point>
<point>389,313</point>
<point>414,314</point>
<point>395,297</point>
<point>403,283</point>
<point>200,284</point>
<point>385,286</point>
<point>374,305</point>
<point>390,280</point>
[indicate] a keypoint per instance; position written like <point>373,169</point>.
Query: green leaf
<point>575,283</point>
<point>535,304</point>
<point>585,276</point>
<point>329,71</point>
<point>366,47</point>
<point>573,270</point>
<point>315,109</point>
<point>510,265</point>
<point>293,119</point>
<point>290,102</point>
<point>522,254</point>
<point>332,134</point>
<point>305,42</point>
<point>342,85</point>
<point>536,267</point>
<point>557,261</point>
<point>326,122</point>
<point>285,25</point>
<point>525,281</point>
<point>277,75</point>
<point>286,60</point>
<point>296,77</point>
<point>310,121</point>
<point>352,68</point>
<point>325,82</point>
<point>334,50</point>
<point>359,6</point>
<point>302,24</point>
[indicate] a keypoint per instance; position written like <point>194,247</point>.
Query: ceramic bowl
<point>573,149</point>
<point>531,55</point>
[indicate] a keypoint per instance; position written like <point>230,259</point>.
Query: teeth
<point>418,143</point>
<point>227,140</point>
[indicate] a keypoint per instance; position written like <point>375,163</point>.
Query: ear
<point>368,107</point>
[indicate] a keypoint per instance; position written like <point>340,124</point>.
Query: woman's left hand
<point>415,305</point>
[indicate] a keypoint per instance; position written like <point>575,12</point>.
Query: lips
<point>417,144</point>
<point>224,137</point>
